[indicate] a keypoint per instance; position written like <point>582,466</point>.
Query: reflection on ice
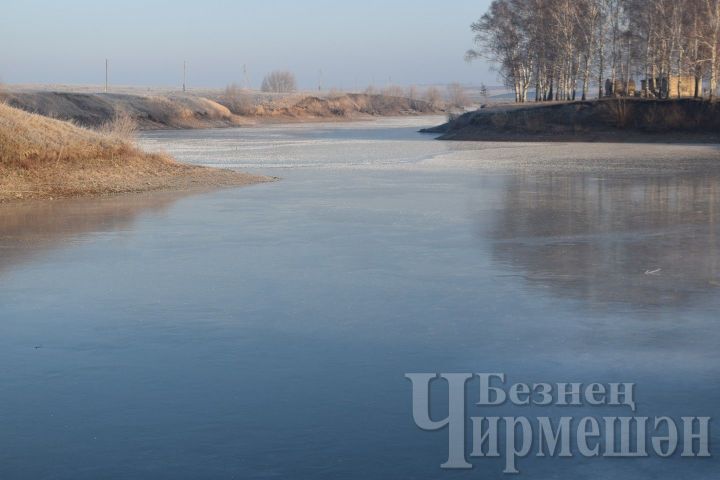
<point>28,229</point>
<point>644,239</point>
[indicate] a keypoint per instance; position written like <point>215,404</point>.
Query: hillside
<point>187,111</point>
<point>46,158</point>
<point>149,112</point>
<point>597,120</point>
<point>341,106</point>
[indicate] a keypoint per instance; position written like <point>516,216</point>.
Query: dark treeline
<point>560,48</point>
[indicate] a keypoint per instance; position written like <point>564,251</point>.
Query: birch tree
<point>552,45</point>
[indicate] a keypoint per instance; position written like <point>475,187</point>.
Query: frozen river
<point>264,332</point>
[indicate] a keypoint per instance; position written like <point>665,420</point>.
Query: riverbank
<point>219,109</point>
<point>606,120</point>
<point>43,158</point>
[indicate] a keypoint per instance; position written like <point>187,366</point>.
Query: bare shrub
<point>238,100</point>
<point>457,97</point>
<point>279,82</point>
<point>415,102</point>
<point>393,91</point>
<point>388,100</point>
<point>620,111</point>
<point>122,127</point>
<point>412,93</point>
<point>433,98</point>
<point>341,105</point>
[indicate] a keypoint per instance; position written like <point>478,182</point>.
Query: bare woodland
<point>279,82</point>
<point>562,49</point>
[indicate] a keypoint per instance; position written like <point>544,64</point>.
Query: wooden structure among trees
<point>676,86</point>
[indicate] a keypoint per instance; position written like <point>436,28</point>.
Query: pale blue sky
<point>354,43</point>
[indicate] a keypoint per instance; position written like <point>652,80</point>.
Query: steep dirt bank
<point>611,120</point>
<point>177,111</point>
<point>45,158</point>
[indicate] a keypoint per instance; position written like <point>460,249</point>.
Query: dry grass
<point>122,127</point>
<point>45,158</point>
<point>29,141</point>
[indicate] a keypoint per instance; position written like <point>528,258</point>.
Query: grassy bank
<point>685,120</point>
<point>45,158</point>
<point>219,109</point>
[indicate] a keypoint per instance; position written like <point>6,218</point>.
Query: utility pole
<point>184,76</point>
<point>320,80</point>
<point>246,83</point>
<point>106,74</point>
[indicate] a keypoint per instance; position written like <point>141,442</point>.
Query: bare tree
<point>433,98</point>
<point>500,36</point>
<point>555,46</point>
<point>279,82</point>
<point>457,97</point>
<point>711,39</point>
<point>238,100</point>
<point>484,93</point>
